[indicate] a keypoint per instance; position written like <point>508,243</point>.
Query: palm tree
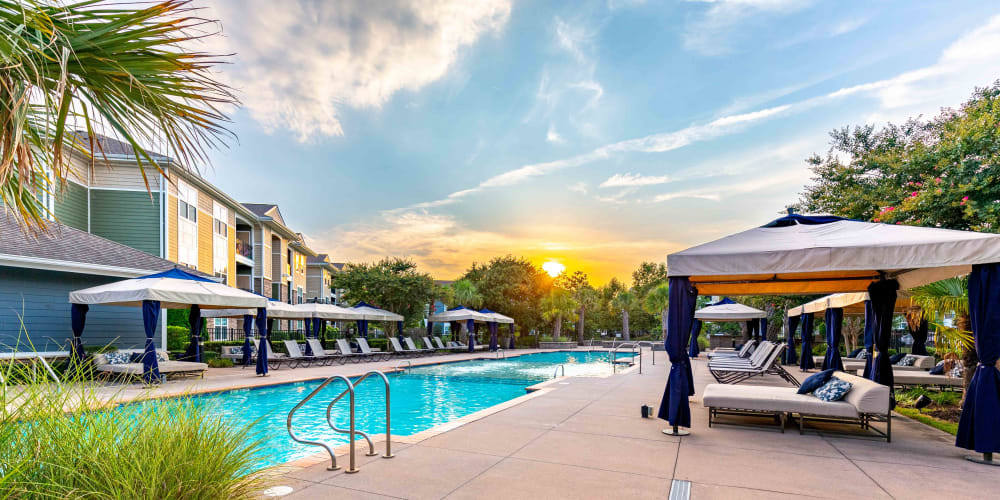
<point>625,300</point>
<point>82,66</point>
<point>587,298</point>
<point>657,302</point>
<point>942,298</point>
<point>556,306</point>
<point>466,293</point>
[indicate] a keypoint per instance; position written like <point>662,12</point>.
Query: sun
<point>553,268</point>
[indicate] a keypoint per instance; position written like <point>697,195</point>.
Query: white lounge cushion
<point>915,377</point>
<point>776,399</point>
<point>866,395</point>
<point>164,367</point>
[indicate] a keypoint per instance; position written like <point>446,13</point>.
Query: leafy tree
<point>943,298</point>
<point>511,286</point>
<point>647,276</point>
<point>86,65</point>
<point>626,300</point>
<point>656,301</point>
<point>556,306</point>
<point>585,296</point>
<point>464,292</point>
<point>939,173</point>
<point>391,283</point>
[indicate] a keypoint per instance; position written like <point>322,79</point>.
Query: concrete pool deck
<point>583,438</point>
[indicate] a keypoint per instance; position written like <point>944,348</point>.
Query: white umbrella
<point>372,313</point>
<point>328,311</point>
<point>728,312</point>
<point>460,314</point>
<point>275,310</point>
<point>174,289</point>
<point>798,254</point>
<point>498,318</point>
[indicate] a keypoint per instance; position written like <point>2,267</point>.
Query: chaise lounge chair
<point>413,347</point>
<point>399,349</point>
<point>732,372</point>
<point>113,363</point>
<point>295,355</point>
<point>347,354</point>
<point>744,351</point>
<point>430,345</point>
<point>866,402</point>
<point>367,351</point>
<point>274,359</point>
<point>330,355</point>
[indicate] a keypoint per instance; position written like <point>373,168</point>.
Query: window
<point>299,293</point>
<point>276,292</point>
<point>187,225</point>
<point>220,246</point>
<point>220,330</point>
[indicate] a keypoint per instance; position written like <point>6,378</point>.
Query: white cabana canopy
<point>498,318</point>
<point>174,289</point>
<point>728,312</point>
<point>275,310</point>
<point>801,254</point>
<point>460,314</point>
<point>330,312</point>
<point>852,303</point>
<point>372,313</point>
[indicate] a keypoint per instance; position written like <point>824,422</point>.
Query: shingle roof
<point>66,244</point>
<point>265,210</point>
<point>109,146</point>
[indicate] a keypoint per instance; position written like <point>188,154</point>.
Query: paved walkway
<point>584,438</point>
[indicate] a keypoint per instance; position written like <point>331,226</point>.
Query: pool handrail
<point>333,458</point>
<point>388,431</point>
<point>500,353</point>
<point>633,346</point>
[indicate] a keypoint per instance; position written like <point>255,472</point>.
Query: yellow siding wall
<point>232,254</point>
<point>172,228</point>
<point>205,242</point>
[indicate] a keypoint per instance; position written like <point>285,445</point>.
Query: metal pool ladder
<point>633,347</point>
<point>351,431</point>
<point>500,353</point>
<point>556,373</point>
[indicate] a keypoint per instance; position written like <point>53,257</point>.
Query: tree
<point>943,298</point>
<point>391,283</point>
<point>585,296</point>
<point>646,277</point>
<point>465,293</point>
<point>939,173</point>
<point>625,300</point>
<point>657,301</point>
<point>511,286</point>
<point>85,66</point>
<point>556,306</point>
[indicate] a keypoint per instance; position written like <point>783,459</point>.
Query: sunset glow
<point>553,268</point>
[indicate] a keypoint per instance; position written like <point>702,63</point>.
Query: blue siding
<point>41,298</point>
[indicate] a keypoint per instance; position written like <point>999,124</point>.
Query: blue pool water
<point>421,399</point>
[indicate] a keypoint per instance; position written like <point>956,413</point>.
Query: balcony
<point>244,252</point>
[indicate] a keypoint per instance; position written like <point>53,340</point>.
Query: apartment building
<point>319,278</point>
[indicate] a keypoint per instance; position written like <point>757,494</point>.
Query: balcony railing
<point>244,248</point>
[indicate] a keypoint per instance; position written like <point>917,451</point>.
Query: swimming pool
<point>422,397</point>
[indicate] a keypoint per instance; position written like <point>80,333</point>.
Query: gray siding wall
<point>71,206</point>
<point>128,217</point>
<point>42,299</point>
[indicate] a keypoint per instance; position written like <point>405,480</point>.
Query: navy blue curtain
<point>193,352</point>
<point>511,335</point>
<point>263,332</point>
<point>362,328</point>
<point>319,326</point>
<point>78,318</point>
<point>470,329</point>
<point>695,332</point>
<point>883,297</point>
<point>674,406</point>
<point>920,339</point>
<point>247,345</point>
<point>308,333</point>
<point>430,329</point>
<point>150,322</point>
<point>834,320</point>
<point>977,427</point>
<point>791,324</point>
<point>869,338</point>
<point>751,327</point>
<point>807,363</point>
<point>399,329</point>
<point>493,336</point>
<point>762,329</point>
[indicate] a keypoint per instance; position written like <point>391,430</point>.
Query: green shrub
<point>209,356</point>
<point>703,343</point>
<point>819,350</point>
<point>220,363</point>
<point>216,346</point>
<point>178,337</point>
<point>172,448</point>
<point>382,344</point>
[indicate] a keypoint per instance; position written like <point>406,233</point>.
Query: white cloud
<point>630,180</point>
<point>579,187</point>
<point>300,62</point>
<point>708,33</point>
<point>792,177</point>
<point>553,136</point>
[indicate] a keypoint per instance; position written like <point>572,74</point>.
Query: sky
<point>597,134</point>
